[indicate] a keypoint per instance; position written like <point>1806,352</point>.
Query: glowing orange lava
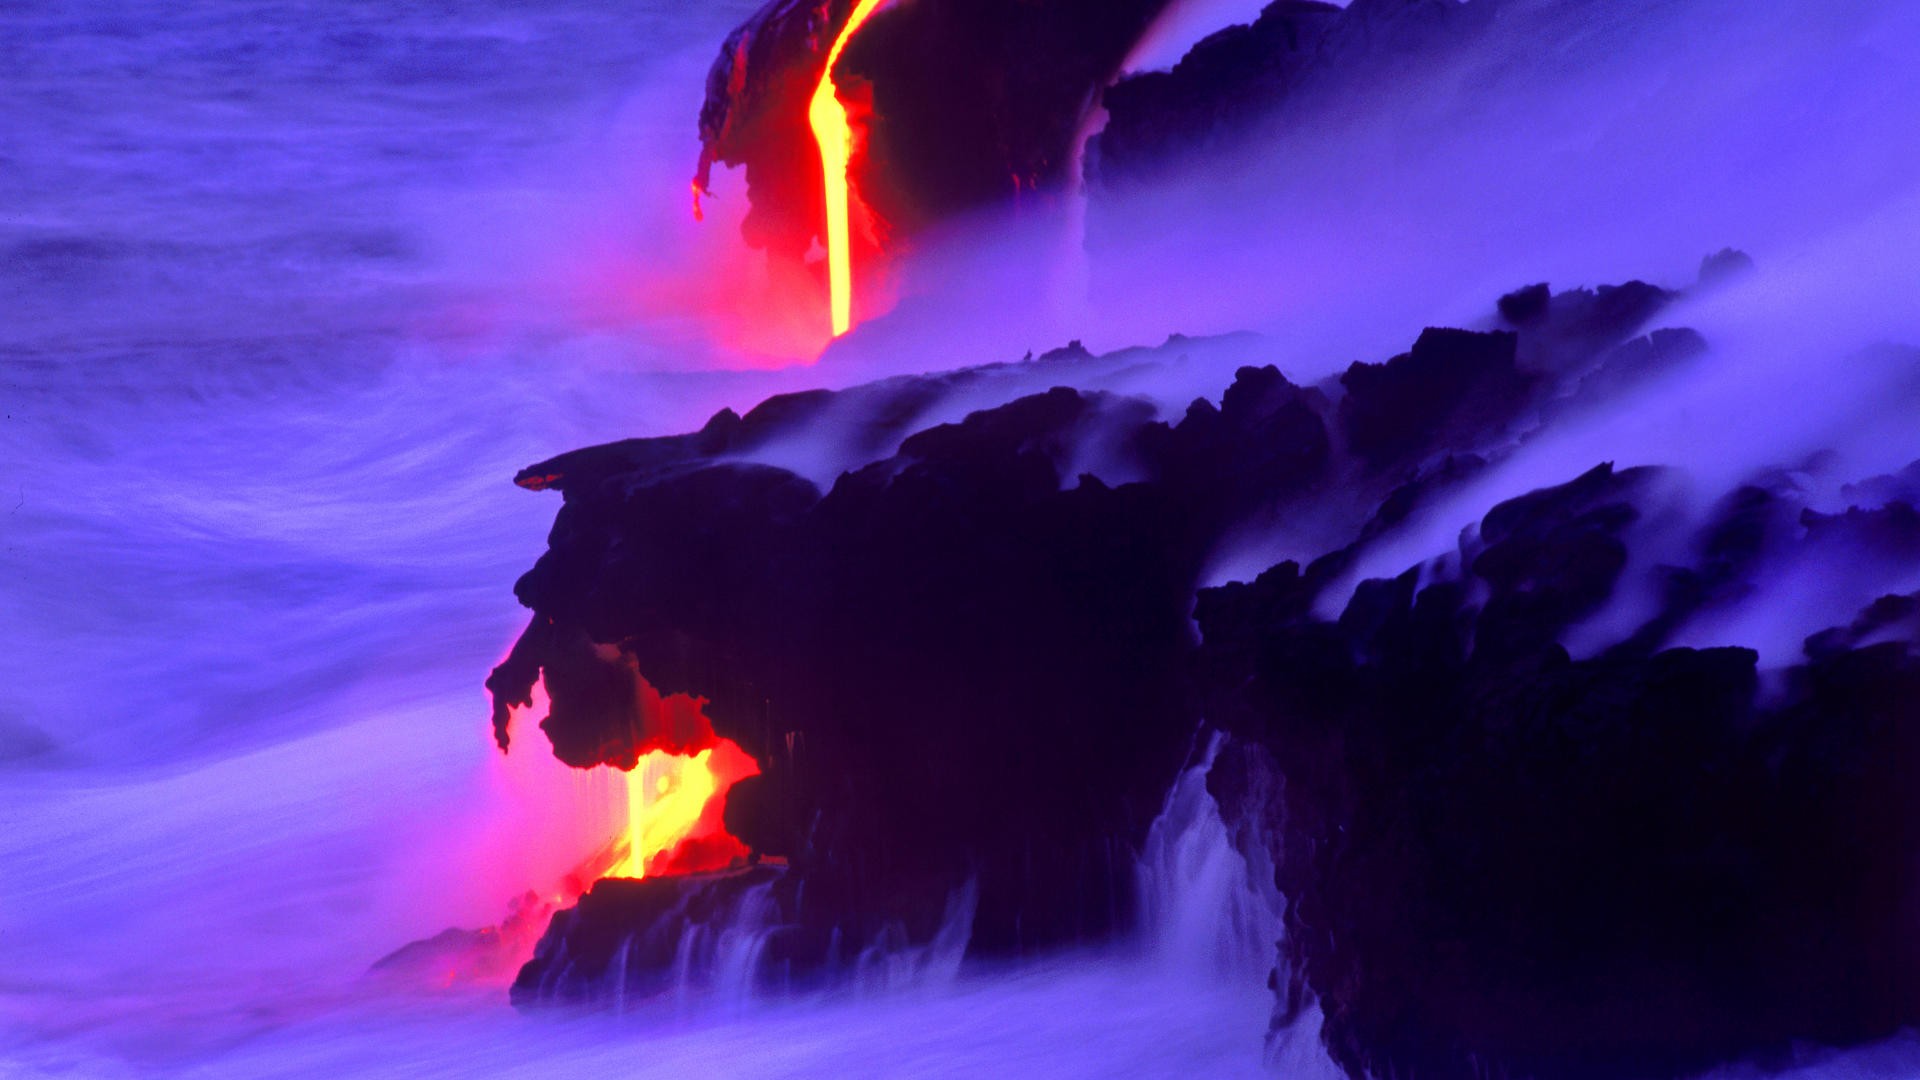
<point>675,808</point>
<point>664,816</point>
<point>835,135</point>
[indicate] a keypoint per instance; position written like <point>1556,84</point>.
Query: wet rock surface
<point>1297,56</point>
<point>971,664</point>
<point>1637,863</point>
<point>631,939</point>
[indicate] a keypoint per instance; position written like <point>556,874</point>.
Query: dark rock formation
<point>1522,306</point>
<point>621,941</point>
<point>1639,864</point>
<point>946,628</point>
<point>755,116</point>
<point>758,929</point>
<point>1453,386</point>
<point>979,101</point>
<point>964,103</point>
<point>964,663</point>
<point>1298,54</point>
<point>968,670</point>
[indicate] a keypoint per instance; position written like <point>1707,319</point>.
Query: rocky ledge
<point>1520,820</point>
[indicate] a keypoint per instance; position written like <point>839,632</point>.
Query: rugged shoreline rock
<point>961,104</point>
<point>1296,57</point>
<point>1638,864</point>
<point>960,623</point>
<point>969,666</point>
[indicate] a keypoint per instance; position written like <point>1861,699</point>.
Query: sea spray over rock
<point>1208,908</point>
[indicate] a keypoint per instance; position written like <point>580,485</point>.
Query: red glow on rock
<point>663,816</point>
<point>671,798</point>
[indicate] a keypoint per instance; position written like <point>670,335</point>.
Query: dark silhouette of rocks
<point>1522,306</point>
<point>1634,865</point>
<point>965,103</point>
<point>1451,379</point>
<point>623,936</point>
<point>969,669</point>
<point>1296,56</point>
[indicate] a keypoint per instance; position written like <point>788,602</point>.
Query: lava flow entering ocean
<point>675,804</point>
<point>669,807</point>
<point>833,131</point>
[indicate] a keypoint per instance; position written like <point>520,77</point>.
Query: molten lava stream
<point>675,812</point>
<point>834,133</point>
<point>666,815</point>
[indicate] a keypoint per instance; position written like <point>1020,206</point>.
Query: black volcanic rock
<point>978,101</point>
<point>1297,53</point>
<point>1891,531</point>
<point>1452,387</point>
<point>964,103</point>
<point>1157,116</point>
<point>1640,359</point>
<point>945,617</point>
<point>1522,306</point>
<point>968,669</point>
<point>1268,438</point>
<point>620,941</point>
<point>969,609</point>
<point>1577,320</point>
<point>1636,865</point>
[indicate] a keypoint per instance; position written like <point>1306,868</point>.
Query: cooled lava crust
<point>966,666</point>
